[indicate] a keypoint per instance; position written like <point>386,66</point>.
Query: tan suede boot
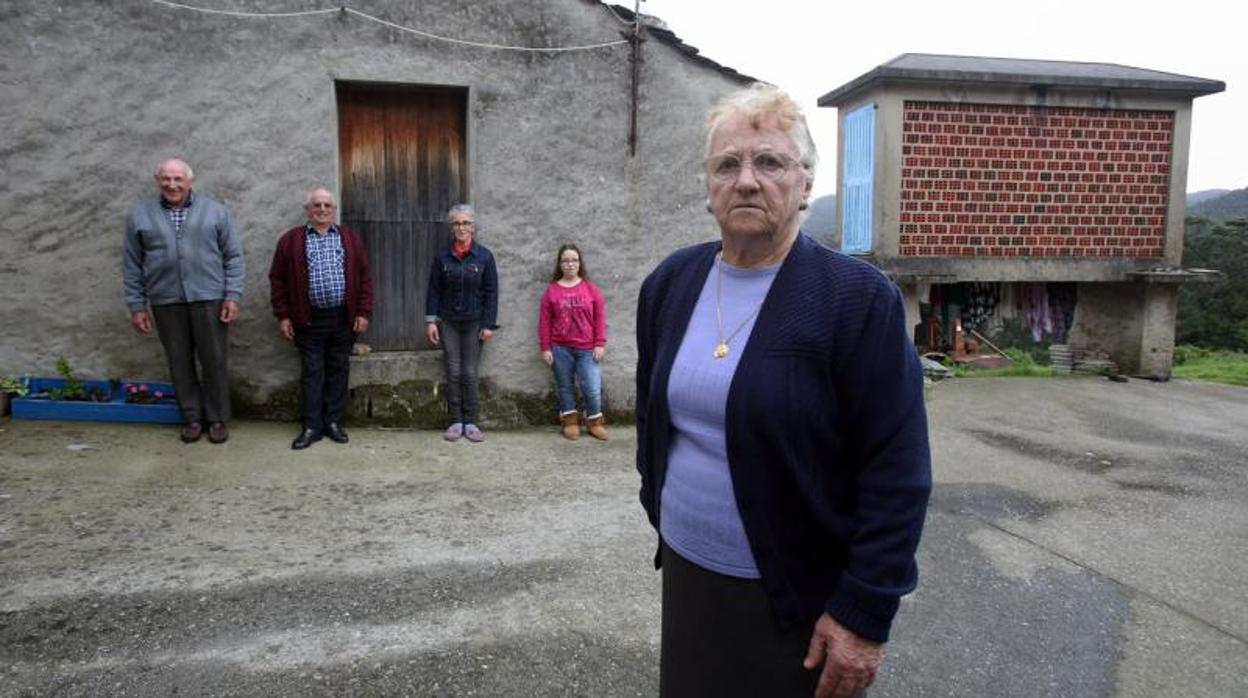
<point>598,428</point>
<point>571,425</point>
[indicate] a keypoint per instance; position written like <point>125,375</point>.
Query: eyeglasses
<point>457,224</point>
<point>772,166</point>
<point>320,204</point>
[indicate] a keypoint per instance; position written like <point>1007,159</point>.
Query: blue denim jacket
<point>463,289</point>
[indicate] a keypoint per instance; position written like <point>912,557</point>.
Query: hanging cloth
<point>1034,299</point>
<point>1062,298</point>
<point>981,304</point>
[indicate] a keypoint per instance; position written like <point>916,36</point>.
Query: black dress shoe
<point>306,438</point>
<point>336,433</point>
<point>218,433</point>
<point>191,432</point>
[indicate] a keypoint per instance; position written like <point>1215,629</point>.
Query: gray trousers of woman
<point>461,354</point>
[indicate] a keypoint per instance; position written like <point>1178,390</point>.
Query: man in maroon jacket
<point>322,294</point>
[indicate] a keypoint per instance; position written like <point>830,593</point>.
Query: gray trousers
<point>461,353</point>
<point>189,331</point>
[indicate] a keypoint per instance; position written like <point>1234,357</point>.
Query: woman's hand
<point>431,333</point>
<point>599,352</point>
<point>485,334</point>
<point>849,662</point>
<point>549,357</point>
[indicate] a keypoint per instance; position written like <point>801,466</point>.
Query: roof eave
<point>666,36</point>
<point>885,76</point>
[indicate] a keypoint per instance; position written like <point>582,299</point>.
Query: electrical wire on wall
<point>398,27</point>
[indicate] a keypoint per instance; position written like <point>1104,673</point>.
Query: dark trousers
<point>720,638</point>
<point>461,353</point>
<point>189,331</point>
<point>324,367</point>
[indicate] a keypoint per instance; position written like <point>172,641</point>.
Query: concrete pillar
<point>1158,317</point>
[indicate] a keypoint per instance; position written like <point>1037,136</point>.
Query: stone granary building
<point>1047,191</point>
<point>545,115</point>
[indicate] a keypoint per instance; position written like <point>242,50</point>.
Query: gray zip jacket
<point>160,266</point>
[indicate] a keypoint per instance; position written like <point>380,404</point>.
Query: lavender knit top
<point>699,519</point>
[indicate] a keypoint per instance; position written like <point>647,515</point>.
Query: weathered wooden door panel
<point>403,154</point>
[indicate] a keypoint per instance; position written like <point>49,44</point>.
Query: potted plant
<point>69,397</point>
<point>71,388</point>
<point>10,387</point>
<point>142,393</point>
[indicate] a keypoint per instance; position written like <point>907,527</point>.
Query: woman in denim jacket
<point>461,313</point>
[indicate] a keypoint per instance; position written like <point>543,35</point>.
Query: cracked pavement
<point>1085,538</point>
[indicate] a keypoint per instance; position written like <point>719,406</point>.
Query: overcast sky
<point>810,47</point>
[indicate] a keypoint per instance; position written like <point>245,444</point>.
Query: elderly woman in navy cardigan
<point>782,437</point>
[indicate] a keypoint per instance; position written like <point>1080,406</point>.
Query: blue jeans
<point>578,363</point>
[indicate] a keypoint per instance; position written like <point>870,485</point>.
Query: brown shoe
<point>598,428</point>
<point>217,433</point>
<point>191,432</point>
<point>571,426</point>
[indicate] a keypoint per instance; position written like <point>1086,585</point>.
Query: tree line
<point>1215,316</point>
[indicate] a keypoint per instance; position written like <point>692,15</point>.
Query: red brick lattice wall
<point>987,180</point>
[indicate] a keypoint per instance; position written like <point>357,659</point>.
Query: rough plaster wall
<point>93,94</point>
<point>1108,318</point>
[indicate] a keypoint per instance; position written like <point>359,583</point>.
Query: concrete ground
<point>1086,538</point>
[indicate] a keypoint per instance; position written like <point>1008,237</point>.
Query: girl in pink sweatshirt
<point>572,334</point>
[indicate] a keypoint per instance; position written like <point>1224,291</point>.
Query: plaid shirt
<point>177,214</point>
<point>327,282</point>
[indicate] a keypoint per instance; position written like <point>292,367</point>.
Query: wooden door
<point>403,159</point>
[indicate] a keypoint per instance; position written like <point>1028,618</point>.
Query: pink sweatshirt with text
<point>573,317</point>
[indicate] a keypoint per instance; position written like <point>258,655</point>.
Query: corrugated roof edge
<point>888,72</point>
<point>657,28</point>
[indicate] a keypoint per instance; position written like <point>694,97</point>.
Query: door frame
<point>469,134</point>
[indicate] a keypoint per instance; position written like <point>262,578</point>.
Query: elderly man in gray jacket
<point>182,258</point>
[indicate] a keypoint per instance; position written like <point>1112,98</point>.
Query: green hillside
<point>1220,209</point>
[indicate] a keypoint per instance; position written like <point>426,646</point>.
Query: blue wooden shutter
<point>857,172</point>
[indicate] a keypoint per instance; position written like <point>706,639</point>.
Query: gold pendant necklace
<point>721,348</point>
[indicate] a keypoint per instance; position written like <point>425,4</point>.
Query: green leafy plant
<point>14,386</point>
<point>1185,353</point>
<point>72,387</point>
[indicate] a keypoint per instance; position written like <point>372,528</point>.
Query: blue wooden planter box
<point>115,409</point>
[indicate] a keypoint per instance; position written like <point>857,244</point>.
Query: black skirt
<point>720,638</point>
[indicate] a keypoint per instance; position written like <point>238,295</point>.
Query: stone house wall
<point>94,94</point>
